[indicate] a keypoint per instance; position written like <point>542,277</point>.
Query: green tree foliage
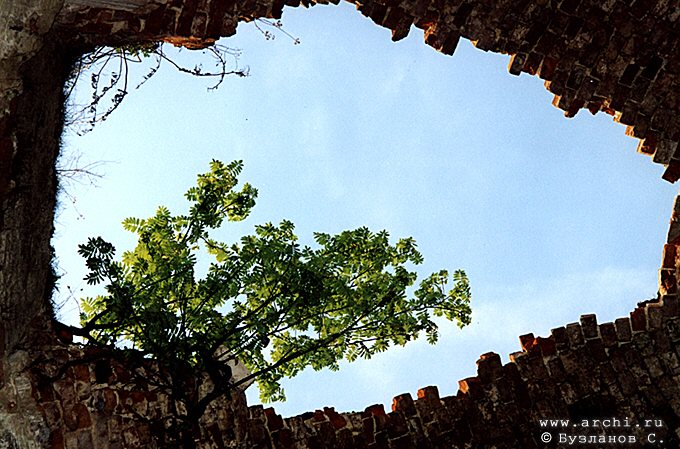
<point>267,301</point>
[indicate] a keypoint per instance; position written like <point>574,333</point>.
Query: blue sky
<point>550,217</point>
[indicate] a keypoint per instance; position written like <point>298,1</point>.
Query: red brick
<point>82,373</point>
<point>517,62</point>
<point>527,342</point>
<point>671,305</point>
<point>669,256</point>
<point>283,439</point>
<point>121,372</point>
<point>608,334</point>
<point>471,386</point>
<point>274,421</point>
<point>429,393</point>
<point>575,334</point>
<point>559,334</point>
<point>655,316</point>
<point>375,410</point>
<point>648,144</point>
<point>589,326</point>
<point>335,418</point>
<point>574,107</point>
<point>397,425</point>
<point>623,329</point>
<point>672,172</point>
<point>77,417</point>
<point>668,283</point>
<point>547,346</point>
<point>638,320</point>
<point>57,440</point>
<point>489,367</point>
<point>533,63</point>
<point>110,401</point>
<point>403,403</point>
<point>319,416</point>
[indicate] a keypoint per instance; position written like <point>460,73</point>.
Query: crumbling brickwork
<point>90,399</point>
<point>615,56</point>
<point>628,369</point>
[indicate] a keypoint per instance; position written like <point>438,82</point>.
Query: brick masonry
<point>615,56</point>
<point>629,369</point>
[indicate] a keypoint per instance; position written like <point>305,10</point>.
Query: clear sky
<point>550,217</point>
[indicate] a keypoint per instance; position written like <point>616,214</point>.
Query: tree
<point>108,70</point>
<point>268,301</point>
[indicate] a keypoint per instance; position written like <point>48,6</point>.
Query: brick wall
<point>84,398</point>
<point>607,55</point>
<point>615,56</point>
<point>627,369</point>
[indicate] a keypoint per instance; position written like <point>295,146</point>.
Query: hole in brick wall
<point>538,209</point>
<point>102,371</point>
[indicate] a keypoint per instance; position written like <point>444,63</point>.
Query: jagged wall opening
<point>601,56</point>
<point>606,56</point>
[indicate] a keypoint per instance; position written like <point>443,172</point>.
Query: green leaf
<point>275,305</point>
